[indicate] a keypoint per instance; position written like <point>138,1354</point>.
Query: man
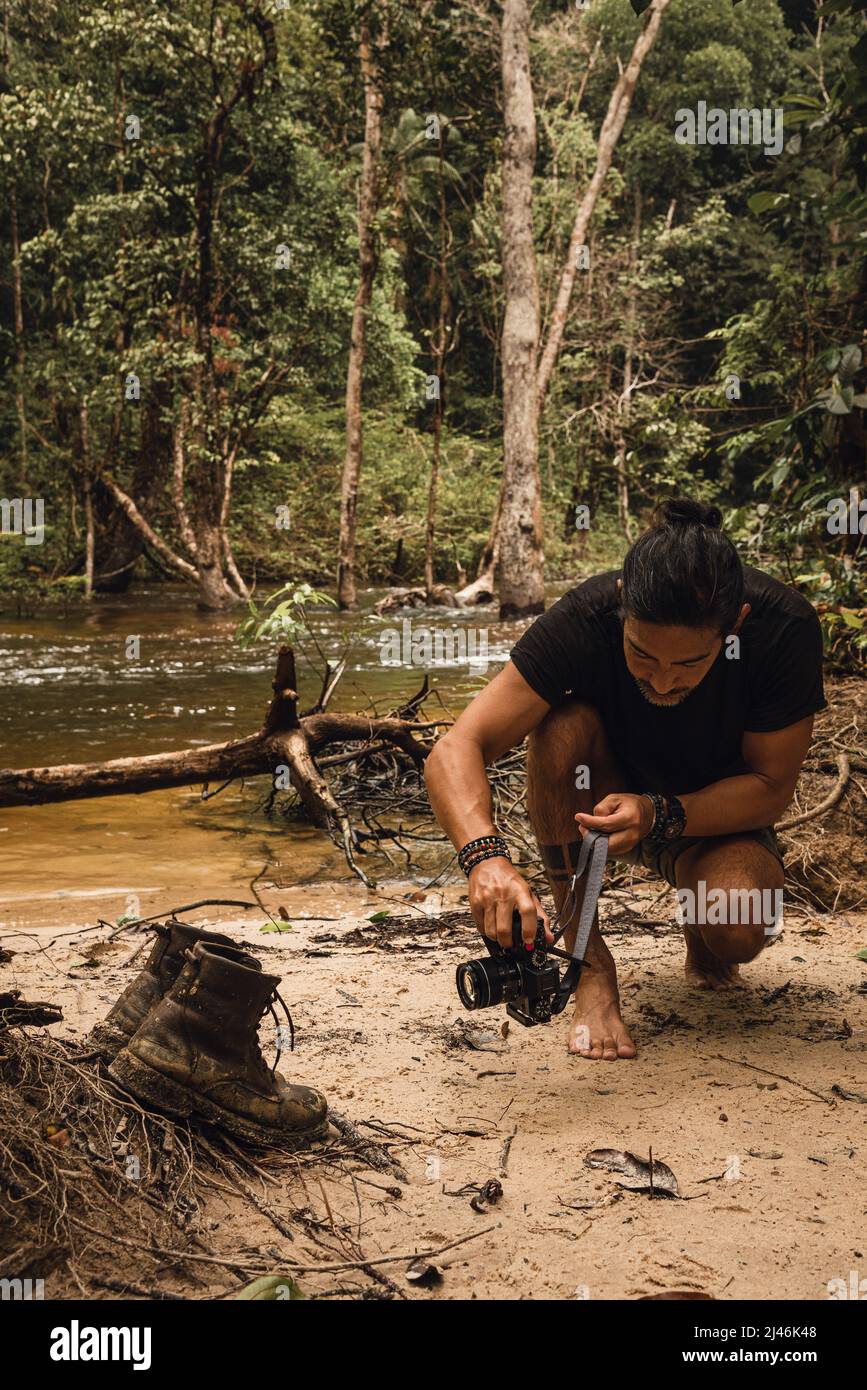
<point>670,706</point>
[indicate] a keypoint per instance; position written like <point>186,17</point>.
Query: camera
<point>527,982</point>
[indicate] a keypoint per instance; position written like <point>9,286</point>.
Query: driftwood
<point>285,747</point>
<point>439,596</point>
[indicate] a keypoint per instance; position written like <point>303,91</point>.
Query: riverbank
<point>751,1098</point>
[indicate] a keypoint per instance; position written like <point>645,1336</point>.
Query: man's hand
<point>496,889</point>
<point>624,817</point>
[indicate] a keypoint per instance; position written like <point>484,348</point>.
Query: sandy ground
<point>734,1092</point>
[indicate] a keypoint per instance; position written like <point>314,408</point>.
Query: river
<point>78,687</point>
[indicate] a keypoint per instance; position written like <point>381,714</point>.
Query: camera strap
<point>592,858</point>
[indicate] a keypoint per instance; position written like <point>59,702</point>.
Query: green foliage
<point>706,264</point>
<point>282,617</point>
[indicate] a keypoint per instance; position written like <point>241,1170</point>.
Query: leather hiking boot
<point>197,1053</point>
<point>161,969</point>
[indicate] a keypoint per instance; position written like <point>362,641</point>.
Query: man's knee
<point>566,737</point>
<point>735,943</point>
<point>734,897</point>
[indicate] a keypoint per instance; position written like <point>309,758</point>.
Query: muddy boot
<point>197,1053</point>
<point>162,968</point>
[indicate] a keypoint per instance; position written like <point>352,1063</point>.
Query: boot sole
<point>165,1094</point>
<point>107,1040</point>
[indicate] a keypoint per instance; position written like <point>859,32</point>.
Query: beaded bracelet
<point>486,846</point>
<point>486,854</point>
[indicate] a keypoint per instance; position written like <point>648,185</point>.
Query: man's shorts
<point>662,859</point>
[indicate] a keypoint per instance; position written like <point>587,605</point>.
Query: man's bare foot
<point>703,969</point>
<point>597,1030</point>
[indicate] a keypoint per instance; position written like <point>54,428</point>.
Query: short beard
<point>661,702</point>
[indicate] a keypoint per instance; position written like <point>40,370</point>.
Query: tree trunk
<point>89,546</point>
<point>119,540</point>
<point>430,527</point>
<point>18,303</point>
<point>17,291</point>
<point>612,127</point>
<point>368,193</point>
<point>523,548</point>
<point>624,405</point>
<point>214,590</point>
<point>441,348</point>
<point>481,590</point>
<point>521,575</point>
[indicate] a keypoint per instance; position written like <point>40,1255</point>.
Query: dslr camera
<point>529,983</point>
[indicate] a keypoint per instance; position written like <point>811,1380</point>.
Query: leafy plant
<point>282,617</point>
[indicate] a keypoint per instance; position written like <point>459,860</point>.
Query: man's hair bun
<point>684,511</point>
<point>684,571</point>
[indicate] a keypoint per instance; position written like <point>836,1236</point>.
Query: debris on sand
<point>651,1176</point>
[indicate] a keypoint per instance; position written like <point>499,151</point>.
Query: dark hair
<point>684,571</point>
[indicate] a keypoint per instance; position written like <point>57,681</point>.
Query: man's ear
<point>619,585</point>
<point>742,616</point>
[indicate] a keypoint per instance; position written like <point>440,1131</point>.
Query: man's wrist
<point>649,814</point>
<point>669,819</point>
<point>483,859</point>
<point>492,846</point>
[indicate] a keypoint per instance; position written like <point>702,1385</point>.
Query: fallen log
<point>286,747</point>
<point>253,756</point>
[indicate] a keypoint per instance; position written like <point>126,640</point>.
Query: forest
<point>262,312</point>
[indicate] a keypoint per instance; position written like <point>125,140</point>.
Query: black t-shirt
<point>576,650</point>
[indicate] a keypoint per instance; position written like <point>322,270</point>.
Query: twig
<point>507,1148</point>
<point>848,1095</point>
<point>736,1062</point>
<point>391,1259</point>
<point>125,1287</point>
<point>181,1255</point>
<point>372,1153</point>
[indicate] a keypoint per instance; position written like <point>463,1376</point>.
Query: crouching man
<point>669,705</point>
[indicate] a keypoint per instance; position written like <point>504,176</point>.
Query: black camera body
<point>527,982</point>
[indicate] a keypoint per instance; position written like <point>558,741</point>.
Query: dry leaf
<point>635,1173</point>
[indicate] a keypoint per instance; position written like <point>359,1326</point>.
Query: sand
<point>733,1091</point>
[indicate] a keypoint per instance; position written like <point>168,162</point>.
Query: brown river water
<point>70,693</point>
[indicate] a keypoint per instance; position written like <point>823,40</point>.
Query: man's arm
<point>497,719</point>
<point>755,798</point>
<point>746,802</point>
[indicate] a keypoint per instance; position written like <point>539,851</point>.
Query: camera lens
<point>485,983</point>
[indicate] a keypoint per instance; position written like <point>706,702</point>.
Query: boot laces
<point>272,1011</point>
